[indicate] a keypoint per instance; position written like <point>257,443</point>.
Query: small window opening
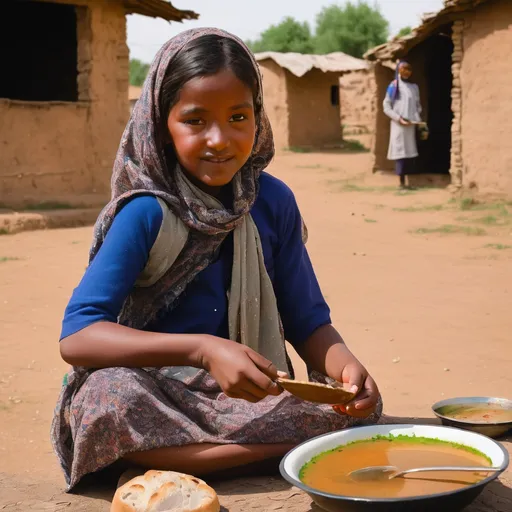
<point>335,95</point>
<point>38,49</point>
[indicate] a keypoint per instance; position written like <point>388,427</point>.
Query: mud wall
<point>314,120</point>
<point>55,150</point>
<point>276,101</point>
<point>486,86</point>
<point>383,77</point>
<point>358,109</point>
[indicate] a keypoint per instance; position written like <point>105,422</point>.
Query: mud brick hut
<point>358,110</point>
<point>461,59</point>
<point>302,96</point>
<point>64,94</point>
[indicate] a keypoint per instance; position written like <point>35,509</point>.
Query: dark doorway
<point>436,151</point>
<point>38,47</point>
<point>335,95</point>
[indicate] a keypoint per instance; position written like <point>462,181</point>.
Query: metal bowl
<point>496,429</point>
<point>452,501</point>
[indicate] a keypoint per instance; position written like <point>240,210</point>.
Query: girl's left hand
<point>325,352</point>
<point>356,378</point>
<point>364,403</point>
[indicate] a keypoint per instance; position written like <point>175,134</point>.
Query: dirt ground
<point>419,286</point>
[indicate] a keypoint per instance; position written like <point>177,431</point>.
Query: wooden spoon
<point>332,394</point>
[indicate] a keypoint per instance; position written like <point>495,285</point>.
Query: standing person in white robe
<point>402,104</point>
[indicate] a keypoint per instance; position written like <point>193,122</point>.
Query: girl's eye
<point>238,117</point>
<point>194,122</point>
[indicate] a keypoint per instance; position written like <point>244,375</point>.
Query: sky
<point>248,18</point>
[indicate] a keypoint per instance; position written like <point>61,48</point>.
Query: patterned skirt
<point>103,415</point>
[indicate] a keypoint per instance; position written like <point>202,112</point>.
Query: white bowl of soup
<point>321,467</point>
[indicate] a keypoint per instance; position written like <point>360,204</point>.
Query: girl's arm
<point>240,372</point>
<point>105,344</point>
<point>388,109</point>
<point>326,352</point>
<point>306,316</point>
<point>91,336</point>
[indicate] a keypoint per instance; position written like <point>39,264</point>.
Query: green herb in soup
<point>477,413</point>
<point>329,471</point>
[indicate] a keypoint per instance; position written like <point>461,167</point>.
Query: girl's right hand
<point>240,371</point>
<point>404,122</point>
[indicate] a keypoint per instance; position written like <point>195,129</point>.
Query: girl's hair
<point>206,56</point>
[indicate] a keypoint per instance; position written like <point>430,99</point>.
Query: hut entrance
<point>431,60</point>
<point>435,152</point>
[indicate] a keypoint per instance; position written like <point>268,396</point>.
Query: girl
<point>174,332</point>
<point>402,104</point>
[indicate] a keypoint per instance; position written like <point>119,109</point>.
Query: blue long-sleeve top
<point>203,307</point>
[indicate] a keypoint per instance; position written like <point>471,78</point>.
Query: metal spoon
<point>378,473</point>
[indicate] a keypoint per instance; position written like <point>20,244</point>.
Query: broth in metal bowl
<point>485,415</point>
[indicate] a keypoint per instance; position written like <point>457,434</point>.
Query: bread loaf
<point>165,491</point>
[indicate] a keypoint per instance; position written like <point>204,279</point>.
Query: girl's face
<point>405,71</point>
<point>212,128</point>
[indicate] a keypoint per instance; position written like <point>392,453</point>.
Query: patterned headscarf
<point>394,87</point>
<point>142,168</point>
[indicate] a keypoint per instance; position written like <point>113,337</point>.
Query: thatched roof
<point>299,64</point>
<point>400,46</point>
<point>158,9</point>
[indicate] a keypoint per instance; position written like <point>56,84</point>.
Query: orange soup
<point>329,471</point>
<point>478,413</point>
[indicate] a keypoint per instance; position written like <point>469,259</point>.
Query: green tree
<point>404,32</point>
<point>138,72</point>
<point>353,28</point>
<point>288,36</point>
